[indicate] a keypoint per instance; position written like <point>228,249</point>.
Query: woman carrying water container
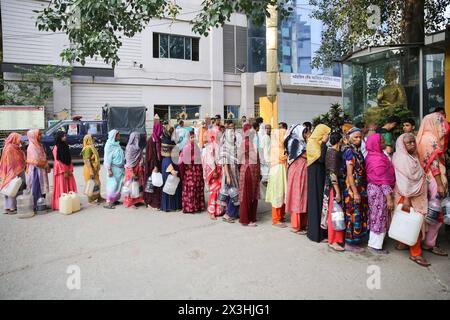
<point>12,165</point>
<point>91,169</point>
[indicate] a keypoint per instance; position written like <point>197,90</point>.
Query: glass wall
<point>386,78</point>
<point>433,80</point>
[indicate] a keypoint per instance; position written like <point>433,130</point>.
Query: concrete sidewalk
<point>146,254</point>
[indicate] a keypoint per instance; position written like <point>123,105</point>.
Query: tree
<point>96,28</point>
<point>334,119</point>
<point>35,86</point>
<point>362,23</point>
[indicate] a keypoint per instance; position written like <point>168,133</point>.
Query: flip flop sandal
<point>303,232</point>
<point>437,251</point>
<point>229,220</point>
<point>420,261</point>
<point>109,207</point>
<point>401,248</point>
<point>336,247</point>
<point>295,231</point>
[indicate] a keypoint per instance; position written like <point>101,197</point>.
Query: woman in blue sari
<point>114,161</point>
<point>169,166</point>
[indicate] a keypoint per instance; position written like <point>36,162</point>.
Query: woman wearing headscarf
<point>316,150</point>
<point>431,145</point>
<point>190,164</point>
<point>410,188</point>
<point>37,167</point>
<point>63,179</point>
<point>212,173</point>
<point>153,164</point>
<point>91,169</point>
<point>230,174</point>
<point>12,165</point>
<point>297,183</point>
<point>250,172</point>
<point>134,170</point>
<point>114,162</point>
<point>381,180</point>
<point>277,182</point>
<point>332,191</point>
<point>169,166</point>
<point>355,192</point>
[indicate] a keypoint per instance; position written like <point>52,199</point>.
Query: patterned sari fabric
<point>193,195</point>
<point>114,159</point>
<point>90,154</point>
<point>212,173</point>
<point>356,215</point>
<point>333,176</point>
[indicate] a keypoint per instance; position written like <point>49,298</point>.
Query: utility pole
<point>272,62</point>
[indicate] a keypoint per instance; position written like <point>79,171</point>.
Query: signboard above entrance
<point>311,80</point>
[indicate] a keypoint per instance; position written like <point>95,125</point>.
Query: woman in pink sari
<point>190,164</point>
<point>381,180</point>
<point>12,165</point>
<point>212,173</point>
<point>63,179</point>
<point>431,145</point>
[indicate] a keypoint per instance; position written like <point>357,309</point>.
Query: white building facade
<point>167,68</point>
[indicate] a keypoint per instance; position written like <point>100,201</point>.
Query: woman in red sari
<point>63,179</point>
<point>250,172</point>
<point>212,173</point>
<point>190,164</point>
<point>134,170</point>
<point>12,165</point>
<point>431,145</point>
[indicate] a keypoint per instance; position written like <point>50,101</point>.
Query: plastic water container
<point>445,204</point>
<point>25,205</point>
<point>89,189</point>
<point>157,179</point>
<point>76,201</point>
<point>434,209</point>
<point>134,187</point>
<point>41,206</point>
<point>171,185</point>
<point>12,187</point>
<point>65,204</point>
<point>337,217</point>
<point>149,186</point>
<point>405,227</point>
<point>234,195</point>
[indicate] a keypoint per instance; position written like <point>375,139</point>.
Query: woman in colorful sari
<point>316,151</point>
<point>63,179</point>
<point>431,145</point>
<point>250,173</point>
<point>153,164</point>
<point>190,164</point>
<point>297,183</point>
<point>230,177</point>
<point>381,180</point>
<point>355,192</point>
<point>332,191</point>
<point>168,167</point>
<point>12,165</point>
<point>114,161</point>
<point>37,167</point>
<point>212,173</point>
<point>91,169</point>
<point>277,182</point>
<point>134,170</point>
<point>410,189</point>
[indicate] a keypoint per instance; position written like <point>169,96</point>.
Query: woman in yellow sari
<point>91,169</point>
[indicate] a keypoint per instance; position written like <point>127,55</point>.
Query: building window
<point>175,47</point>
<point>175,112</point>
<point>231,112</point>
<point>234,49</point>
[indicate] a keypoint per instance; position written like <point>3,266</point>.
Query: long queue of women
<point>306,171</point>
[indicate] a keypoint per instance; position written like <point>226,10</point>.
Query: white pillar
<point>247,95</point>
<point>217,77</point>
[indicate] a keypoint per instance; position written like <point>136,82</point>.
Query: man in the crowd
<point>386,131</point>
<point>409,125</point>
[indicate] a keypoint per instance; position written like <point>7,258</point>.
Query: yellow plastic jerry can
<point>76,202</point>
<point>65,204</point>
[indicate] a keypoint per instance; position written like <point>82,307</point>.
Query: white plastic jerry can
<point>76,202</point>
<point>65,204</point>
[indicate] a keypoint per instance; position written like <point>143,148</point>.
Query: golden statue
<point>391,94</point>
<point>390,97</point>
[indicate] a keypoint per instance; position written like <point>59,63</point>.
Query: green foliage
<point>335,118</point>
<point>95,28</point>
<point>35,86</point>
<point>346,24</point>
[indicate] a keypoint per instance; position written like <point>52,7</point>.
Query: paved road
<point>146,254</point>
